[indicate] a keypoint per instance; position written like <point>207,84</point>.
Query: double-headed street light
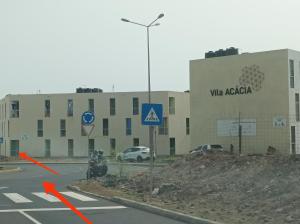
<point>151,128</point>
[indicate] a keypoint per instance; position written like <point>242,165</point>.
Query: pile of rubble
<point>227,188</point>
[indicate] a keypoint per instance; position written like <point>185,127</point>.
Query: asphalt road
<point>22,200</point>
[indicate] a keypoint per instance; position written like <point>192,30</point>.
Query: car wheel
<point>139,159</point>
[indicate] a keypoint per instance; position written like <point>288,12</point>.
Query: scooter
<point>97,167</point>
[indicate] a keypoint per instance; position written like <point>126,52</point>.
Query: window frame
<point>135,106</point>
<point>91,105</point>
<point>128,126</point>
<point>187,126</point>
<point>163,129</point>
<point>15,112</point>
<point>63,128</point>
<point>136,140</point>
<point>105,127</point>
<point>292,73</point>
<point>40,128</point>
<point>112,106</point>
<point>47,108</point>
<point>172,105</point>
<point>70,108</point>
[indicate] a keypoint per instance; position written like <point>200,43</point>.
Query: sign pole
<point>152,116</point>
<point>240,139</point>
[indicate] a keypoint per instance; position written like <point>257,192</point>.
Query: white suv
<point>135,153</point>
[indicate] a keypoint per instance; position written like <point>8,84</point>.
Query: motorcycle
<point>97,166</point>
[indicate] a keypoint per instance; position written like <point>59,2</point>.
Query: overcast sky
<point>57,45</point>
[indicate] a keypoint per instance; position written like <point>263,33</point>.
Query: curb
<point>113,163</point>
<point>24,163</point>
<point>18,169</point>
<point>139,164</point>
<point>150,208</point>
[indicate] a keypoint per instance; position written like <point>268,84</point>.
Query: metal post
<point>149,80</point>
<point>240,135</point>
<point>150,127</point>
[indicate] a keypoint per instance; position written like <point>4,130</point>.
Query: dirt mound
<point>230,189</point>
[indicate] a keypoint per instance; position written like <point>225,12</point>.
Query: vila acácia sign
<point>240,90</point>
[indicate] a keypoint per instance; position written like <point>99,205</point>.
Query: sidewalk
<point>49,161</point>
<point>75,161</point>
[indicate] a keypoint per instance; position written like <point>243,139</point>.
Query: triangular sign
<point>152,117</point>
<point>88,129</point>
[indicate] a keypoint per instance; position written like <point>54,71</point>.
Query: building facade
<point>50,124</point>
<point>247,102</point>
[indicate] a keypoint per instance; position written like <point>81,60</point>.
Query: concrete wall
<point>295,56</point>
<point>24,128</point>
<point>266,73</point>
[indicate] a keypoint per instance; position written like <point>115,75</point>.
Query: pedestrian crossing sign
<point>152,114</point>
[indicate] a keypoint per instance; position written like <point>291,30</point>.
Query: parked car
<point>206,148</point>
<point>135,153</point>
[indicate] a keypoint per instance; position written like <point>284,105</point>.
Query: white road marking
<point>30,217</point>
<point>47,197</point>
<point>17,198</point>
<point>77,196</point>
<point>60,209</point>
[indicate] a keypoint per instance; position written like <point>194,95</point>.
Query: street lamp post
<point>151,128</point>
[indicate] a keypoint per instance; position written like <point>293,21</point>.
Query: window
<point>62,128</point>
<point>91,105</point>
<point>135,106</point>
<point>172,147</point>
<point>187,126</point>
<point>47,148</point>
<point>70,108</point>
<point>112,106</point>
<point>40,128</point>
<point>297,107</point>
<point>171,105</point>
<point>91,146</point>
<point>70,147</point>
<point>293,139</point>
<point>128,126</point>
<point>112,146</point>
<point>105,127</point>
<point>292,80</point>
<point>136,142</point>
<point>128,150</point>
<point>14,147</point>
<point>47,108</point>
<point>135,149</point>
<point>14,109</point>
<point>163,128</point>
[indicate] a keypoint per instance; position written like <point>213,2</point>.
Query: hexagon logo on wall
<point>252,76</point>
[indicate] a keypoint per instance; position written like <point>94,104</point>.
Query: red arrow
<point>23,155</point>
<point>50,188</point>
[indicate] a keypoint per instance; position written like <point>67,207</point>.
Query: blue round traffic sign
<point>88,117</point>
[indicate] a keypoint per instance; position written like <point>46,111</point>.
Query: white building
<point>257,91</point>
<point>50,124</point>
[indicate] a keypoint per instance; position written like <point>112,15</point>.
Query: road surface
<point>22,200</point>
